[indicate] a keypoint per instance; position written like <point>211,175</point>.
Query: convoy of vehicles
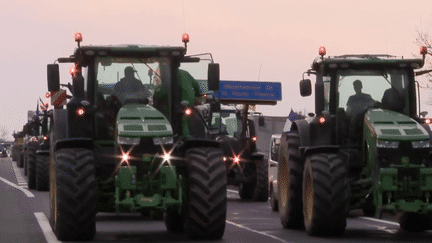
<point>160,149</point>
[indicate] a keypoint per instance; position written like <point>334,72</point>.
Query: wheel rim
<point>308,197</point>
<point>283,185</point>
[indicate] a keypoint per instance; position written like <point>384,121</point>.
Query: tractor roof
<point>366,61</point>
<point>126,51</point>
<point>132,50</point>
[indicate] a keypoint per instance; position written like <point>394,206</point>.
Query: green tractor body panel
<point>388,125</point>
<point>138,120</point>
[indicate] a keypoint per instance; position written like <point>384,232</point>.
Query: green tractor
<point>366,148</point>
<point>134,144</point>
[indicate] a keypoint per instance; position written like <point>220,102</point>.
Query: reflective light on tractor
<point>321,120</point>
<point>236,159</point>
<point>80,111</point>
<point>125,157</point>
<point>166,156</point>
<point>185,38</point>
<point>322,51</point>
<point>427,121</point>
<point>224,158</point>
<point>254,138</point>
<point>47,94</point>
<point>387,144</point>
<point>45,137</point>
<point>188,111</point>
<point>78,37</point>
<point>421,144</point>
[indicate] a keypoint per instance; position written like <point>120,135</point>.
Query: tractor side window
<point>326,80</point>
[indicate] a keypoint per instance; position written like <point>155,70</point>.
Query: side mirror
<point>423,113</point>
<point>53,76</point>
<point>261,121</point>
<point>213,76</point>
<point>305,87</point>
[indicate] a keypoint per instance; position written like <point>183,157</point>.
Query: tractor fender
<point>315,137</point>
<point>74,143</point>
<point>302,128</point>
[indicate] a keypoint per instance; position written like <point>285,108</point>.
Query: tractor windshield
<point>359,90</point>
<point>127,79</point>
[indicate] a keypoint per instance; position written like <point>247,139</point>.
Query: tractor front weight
<point>405,188</point>
<point>159,192</point>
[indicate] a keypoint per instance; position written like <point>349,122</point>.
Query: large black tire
<point>31,163</point>
<point>290,178</point>
<point>246,189</point>
<point>73,194</point>
<point>325,195</point>
<point>261,190</point>
<point>20,159</point>
<point>42,175</point>
<point>414,222</point>
<point>206,204</point>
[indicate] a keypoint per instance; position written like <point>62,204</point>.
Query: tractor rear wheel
<point>42,169</point>
<point>73,194</point>
<point>206,204</point>
<point>20,159</point>
<point>290,178</point>
<point>31,163</point>
<point>325,195</point>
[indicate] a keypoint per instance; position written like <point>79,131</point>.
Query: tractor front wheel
<point>42,176</point>
<point>206,203</point>
<point>290,177</point>
<point>325,195</point>
<point>73,194</point>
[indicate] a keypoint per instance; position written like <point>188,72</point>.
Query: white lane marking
<point>380,221</point>
<point>46,228</point>
<point>20,179</point>
<point>259,232</point>
<point>25,191</point>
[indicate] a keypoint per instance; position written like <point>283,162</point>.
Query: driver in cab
<point>129,85</point>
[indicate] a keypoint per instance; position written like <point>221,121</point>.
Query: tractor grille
<point>413,131</point>
<point>388,156</point>
<point>152,128</point>
<point>133,127</point>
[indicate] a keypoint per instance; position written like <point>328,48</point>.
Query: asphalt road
<point>24,213</point>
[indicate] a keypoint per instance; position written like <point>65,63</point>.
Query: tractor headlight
<point>163,140</point>
<point>128,141</point>
<point>421,144</point>
<point>387,144</point>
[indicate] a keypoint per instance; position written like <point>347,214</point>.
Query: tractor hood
<point>139,120</point>
<point>393,126</point>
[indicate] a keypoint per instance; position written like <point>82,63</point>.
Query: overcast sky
<point>267,40</point>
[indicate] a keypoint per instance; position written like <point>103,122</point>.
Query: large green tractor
<point>366,148</point>
<point>134,143</point>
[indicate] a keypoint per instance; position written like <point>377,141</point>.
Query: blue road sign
<point>250,91</point>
